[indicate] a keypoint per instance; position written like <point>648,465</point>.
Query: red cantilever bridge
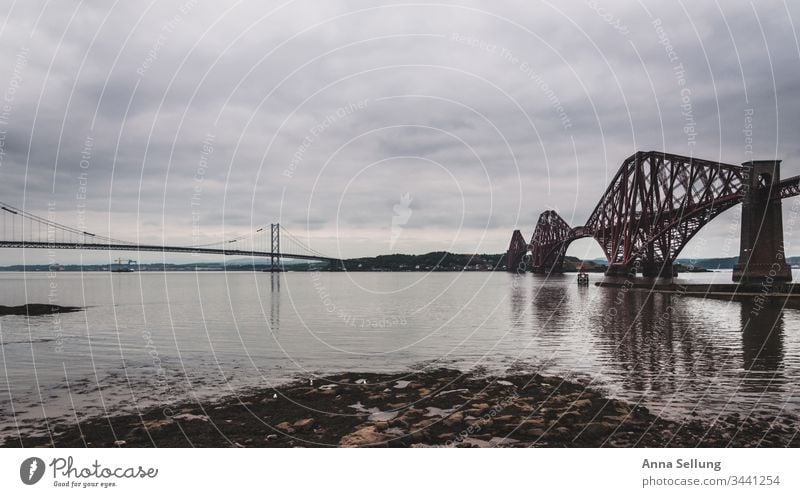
<point>656,203</point>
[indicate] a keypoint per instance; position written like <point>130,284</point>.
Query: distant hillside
<point>446,261</point>
<point>432,261</point>
<point>575,264</point>
<point>714,263</point>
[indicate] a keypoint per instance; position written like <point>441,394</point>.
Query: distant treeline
<point>432,261</point>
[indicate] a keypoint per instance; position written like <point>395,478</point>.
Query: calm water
<point>150,338</point>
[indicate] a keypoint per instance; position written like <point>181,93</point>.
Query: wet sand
<point>440,408</point>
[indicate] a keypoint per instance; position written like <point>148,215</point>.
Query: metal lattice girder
<point>657,202</point>
<point>550,240</point>
<point>275,246</point>
<point>516,252</point>
<point>654,205</point>
<point>789,187</point>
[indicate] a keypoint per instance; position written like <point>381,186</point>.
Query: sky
<point>369,128</point>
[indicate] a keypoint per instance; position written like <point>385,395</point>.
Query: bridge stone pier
<point>761,253</point>
<point>658,269</point>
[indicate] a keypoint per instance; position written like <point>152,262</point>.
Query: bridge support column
<point>555,269</point>
<point>761,256</point>
<point>550,267</point>
<point>620,270</point>
<point>658,269</point>
<point>275,264</point>
<point>515,257</point>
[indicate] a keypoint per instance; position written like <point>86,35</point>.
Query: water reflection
<point>519,299</point>
<point>275,302</point>
<point>670,347</point>
<point>551,301</point>
<point>762,337</point>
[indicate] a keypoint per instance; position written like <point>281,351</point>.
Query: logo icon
<point>31,470</point>
<point>402,213</point>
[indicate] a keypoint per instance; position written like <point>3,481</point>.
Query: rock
<point>382,416</point>
<point>502,441</point>
<point>303,424</point>
<point>456,391</point>
<point>620,408</point>
<point>367,435</point>
<point>418,435</point>
<point>421,425</point>
<point>486,422</point>
<point>598,429</point>
<point>454,419</point>
<point>120,443</point>
<point>437,412</point>
<point>480,406</point>
<point>536,421</point>
<point>414,412</point>
<point>284,427</point>
<point>582,404</point>
<point>562,431</point>
<point>534,432</point>
<point>525,407</point>
<point>157,423</point>
<point>399,423</point>
<point>192,417</point>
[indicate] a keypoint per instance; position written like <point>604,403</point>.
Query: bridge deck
<point>158,248</point>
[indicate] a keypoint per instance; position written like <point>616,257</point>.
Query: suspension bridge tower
<point>275,249</point>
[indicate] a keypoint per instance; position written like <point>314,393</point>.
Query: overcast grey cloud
<point>322,115</point>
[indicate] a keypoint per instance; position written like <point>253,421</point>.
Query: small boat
<point>583,278</point>
<point>120,267</point>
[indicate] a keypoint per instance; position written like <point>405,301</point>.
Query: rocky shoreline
<point>438,408</point>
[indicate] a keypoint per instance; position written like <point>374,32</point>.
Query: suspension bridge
<point>656,203</point>
<point>21,229</point>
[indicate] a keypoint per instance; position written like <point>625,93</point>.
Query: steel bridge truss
<point>655,204</point>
